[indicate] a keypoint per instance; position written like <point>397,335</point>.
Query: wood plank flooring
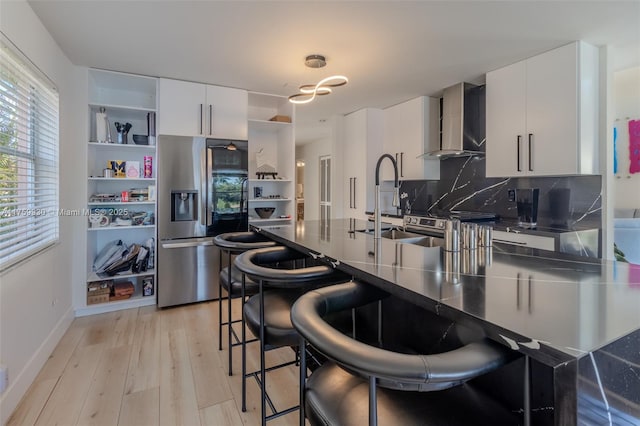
<point>146,366</point>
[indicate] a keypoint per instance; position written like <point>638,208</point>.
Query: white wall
<point>36,296</point>
<point>626,105</point>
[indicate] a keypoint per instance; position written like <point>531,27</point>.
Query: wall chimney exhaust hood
<point>463,125</point>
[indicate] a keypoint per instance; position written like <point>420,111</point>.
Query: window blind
<point>28,158</point>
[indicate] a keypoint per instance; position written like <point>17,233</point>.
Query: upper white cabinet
<point>542,114</point>
<point>362,147</point>
<point>194,109</point>
<point>411,129</point>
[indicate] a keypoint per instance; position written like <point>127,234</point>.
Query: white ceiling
<point>390,50</point>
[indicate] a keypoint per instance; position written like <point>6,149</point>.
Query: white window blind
<point>28,158</point>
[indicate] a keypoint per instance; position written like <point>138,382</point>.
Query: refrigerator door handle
<point>187,243</point>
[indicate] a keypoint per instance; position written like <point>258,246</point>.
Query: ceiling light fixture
<point>308,92</point>
<point>231,147</point>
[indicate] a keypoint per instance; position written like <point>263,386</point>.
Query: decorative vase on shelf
<point>103,130</point>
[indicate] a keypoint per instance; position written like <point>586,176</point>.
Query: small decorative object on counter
<point>485,236</point>
<point>124,196</point>
<point>469,236</point>
<point>452,235</point>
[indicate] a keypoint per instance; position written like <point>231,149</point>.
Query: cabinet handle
<point>402,164</point>
<point>519,140</point>
<point>211,119</point>
<point>518,291</point>
<point>350,193</point>
<point>530,143</point>
<point>354,192</point>
<point>201,118</point>
<point>529,295</point>
<point>515,243</point>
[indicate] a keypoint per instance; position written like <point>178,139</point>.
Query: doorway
<point>299,190</point>
<point>325,188</point>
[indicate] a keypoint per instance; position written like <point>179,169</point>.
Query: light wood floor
<point>152,367</point>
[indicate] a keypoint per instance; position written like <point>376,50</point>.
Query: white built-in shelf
<point>114,227</point>
<point>287,225</point>
<point>121,146</point>
<point>121,107</point>
<point>97,178</point>
<point>267,126</point>
<point>269,199</point>
<point>276,219</point>
<point>94,277</point>
<point>120,203</point>
<point>116,305</point>
<point>269,180</point>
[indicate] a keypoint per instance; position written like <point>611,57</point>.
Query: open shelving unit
<point>126,98</point>
<point>276,141</point>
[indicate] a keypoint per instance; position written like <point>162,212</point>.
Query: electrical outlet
<point>4,378</point>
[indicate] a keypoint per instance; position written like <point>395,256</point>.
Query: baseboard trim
<point>19,385</point>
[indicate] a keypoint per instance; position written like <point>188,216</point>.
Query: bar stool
<point>268,313</point>
<point>234,243</point>
<point>366,383</point>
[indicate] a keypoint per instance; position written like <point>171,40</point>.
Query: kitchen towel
<point>634,146</point>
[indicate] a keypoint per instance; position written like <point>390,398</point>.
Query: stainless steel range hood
<point>462,122</point>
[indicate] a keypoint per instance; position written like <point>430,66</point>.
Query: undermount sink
<point>425,241</point>
<point>410,238</point>
<point>397,234</point>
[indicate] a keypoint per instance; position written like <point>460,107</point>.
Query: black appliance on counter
<point>202,192</point>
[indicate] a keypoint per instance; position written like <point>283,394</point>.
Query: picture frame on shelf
<point>148,288</point>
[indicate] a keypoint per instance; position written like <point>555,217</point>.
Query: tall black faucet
<point>396,194</point>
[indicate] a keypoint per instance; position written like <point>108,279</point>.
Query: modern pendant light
<point>308,92</point>
<point>231,147</point>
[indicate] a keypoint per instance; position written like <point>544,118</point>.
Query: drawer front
<point>525,240</point>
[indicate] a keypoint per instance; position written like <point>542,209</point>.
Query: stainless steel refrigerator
<point>202,192</point>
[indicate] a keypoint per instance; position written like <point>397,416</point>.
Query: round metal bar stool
<point>267,313</point>
<point>368,384</point>
<point>234,243</point>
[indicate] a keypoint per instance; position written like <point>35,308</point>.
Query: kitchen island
<point>578,317</point>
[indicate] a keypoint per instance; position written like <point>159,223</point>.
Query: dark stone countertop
<point>554,307</point>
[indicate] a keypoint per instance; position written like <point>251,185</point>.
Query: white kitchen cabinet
<point>194,109</point>
<point>525,240</point>
<point>521,300</point>
<point>362,147</point>
<point>542,114</point>
<point>272,142</point>
<point>411,129</point>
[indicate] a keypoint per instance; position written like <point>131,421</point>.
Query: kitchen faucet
<point>396,197</point>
